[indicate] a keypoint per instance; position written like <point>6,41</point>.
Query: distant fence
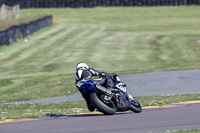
<point>11,35</point>
<point>94,3</point>
<point>7,12</point>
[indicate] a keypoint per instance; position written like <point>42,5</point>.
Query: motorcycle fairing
<point>87,86</point>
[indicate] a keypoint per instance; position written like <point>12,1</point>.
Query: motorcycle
<point>109,101</point>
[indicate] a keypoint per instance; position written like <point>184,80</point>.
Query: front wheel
<point>107,108</point>
<point>135,106</point>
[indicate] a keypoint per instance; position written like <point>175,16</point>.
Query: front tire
<point>135,106</point>
<point>101,106</point>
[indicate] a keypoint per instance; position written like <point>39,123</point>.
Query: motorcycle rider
<point>83,72</point>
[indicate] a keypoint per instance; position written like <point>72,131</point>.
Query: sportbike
<point>110,101</point>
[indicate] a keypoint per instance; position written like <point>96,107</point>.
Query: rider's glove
<point>114,74</point>
<point>102,74</point>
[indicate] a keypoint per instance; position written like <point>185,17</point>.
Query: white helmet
<point>81,66</point>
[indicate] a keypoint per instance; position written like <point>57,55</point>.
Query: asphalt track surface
<point>157,120</point>
<point>156,83</point>
<point>149,121</point>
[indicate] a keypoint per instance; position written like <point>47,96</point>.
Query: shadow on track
<point>90,114</point>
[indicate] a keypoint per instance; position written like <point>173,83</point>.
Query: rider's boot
<point>90,106</point>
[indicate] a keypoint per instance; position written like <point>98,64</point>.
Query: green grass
<point>124,40</point>
<point>72,107</point>
<point>167,99</point>
<point>41,109</point>
<point>187,131</point>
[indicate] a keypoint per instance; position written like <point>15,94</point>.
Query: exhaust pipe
<point>104,90</point>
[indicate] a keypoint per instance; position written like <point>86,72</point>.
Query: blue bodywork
<point>87,86</point>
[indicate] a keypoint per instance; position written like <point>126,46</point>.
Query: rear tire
<point>101,106</point>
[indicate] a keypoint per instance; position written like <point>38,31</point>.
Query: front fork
<point>124,101</point>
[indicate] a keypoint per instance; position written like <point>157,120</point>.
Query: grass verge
<point>187,131</point>
<point>72,107</point>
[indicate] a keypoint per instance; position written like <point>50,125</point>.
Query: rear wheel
<point>105,106</point>
<point>135,106</point>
